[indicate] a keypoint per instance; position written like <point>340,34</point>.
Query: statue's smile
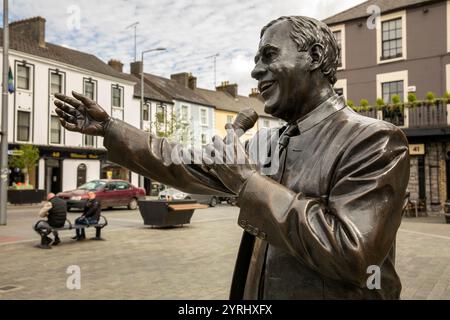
<point>265,87</point>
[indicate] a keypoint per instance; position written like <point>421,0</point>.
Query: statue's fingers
<point>86,101</point>
<point>67,117</point>
<point>65,107</point>
<point>69,126</point>
<point>73,102</point>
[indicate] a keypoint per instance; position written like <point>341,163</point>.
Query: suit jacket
<point>316,225</point>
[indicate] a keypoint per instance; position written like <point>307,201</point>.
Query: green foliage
<point>431,96</point>
<point>173,128</point>
<point>364,103</point>
<point>446,95</point>
<point>396,99</point>
<point>26,161</point>
<point>350,103</point>
<point>412,97</point>
<point>380,102</point>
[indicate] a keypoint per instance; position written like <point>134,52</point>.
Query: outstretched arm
<point>135,149</point>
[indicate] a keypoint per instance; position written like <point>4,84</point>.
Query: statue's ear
<point>317,55</point>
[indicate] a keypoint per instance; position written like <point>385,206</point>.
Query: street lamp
<point>142,83</point>
<point>4,130</point>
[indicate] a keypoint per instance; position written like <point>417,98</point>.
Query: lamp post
<point>142,83</point>
<point>4,133</point>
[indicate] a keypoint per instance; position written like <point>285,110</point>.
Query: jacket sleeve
<point>159,160</point>
<point>45,209</point>
<point>92,209</point>
<point>356,227</point>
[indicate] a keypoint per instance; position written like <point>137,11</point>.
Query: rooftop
<point>28,36</point>
<point>360,11</point>
<point>175,90</point>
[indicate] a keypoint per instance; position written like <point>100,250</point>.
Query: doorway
<point>53,176</point>
<point>81,174</point>
<point>422,183</point>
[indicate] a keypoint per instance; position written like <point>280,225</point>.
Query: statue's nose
<point>258,71</point>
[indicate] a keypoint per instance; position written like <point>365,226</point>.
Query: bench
<point>161,213</point>
<point>102,222</point>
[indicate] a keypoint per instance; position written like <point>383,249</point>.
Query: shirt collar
<point>320,113</point>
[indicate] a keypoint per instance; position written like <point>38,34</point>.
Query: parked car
<point>111,193</point>
<point>212,201</point>
<point>174,193</point>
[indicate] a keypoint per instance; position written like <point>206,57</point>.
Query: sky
<point>191,30</point>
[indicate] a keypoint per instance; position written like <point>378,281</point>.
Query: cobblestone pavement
<point>193,262</point>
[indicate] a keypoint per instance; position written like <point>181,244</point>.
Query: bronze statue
<point>332,209</point>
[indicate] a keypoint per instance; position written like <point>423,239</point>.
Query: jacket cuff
<point>263,203</point>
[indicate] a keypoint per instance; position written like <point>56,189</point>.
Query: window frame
<point>206,124</point>
<point>29,125</point>
<point>391,77</point>
<point>342,84</point>
<point>61,84</point>
<point>389,100</point>
<point>188,114</point>
<point>341,28</point>
<point>27,67</point>
<point>121,107</point>
<point>379,22</point>
<point>95,87</point>
<point>51,130</point>
<point>94,82</point>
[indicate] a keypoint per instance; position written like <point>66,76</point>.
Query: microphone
<point>245,120</point>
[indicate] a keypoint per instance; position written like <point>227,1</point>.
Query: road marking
<point>426,234</point>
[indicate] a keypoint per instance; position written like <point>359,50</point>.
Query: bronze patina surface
<point>330,210</point>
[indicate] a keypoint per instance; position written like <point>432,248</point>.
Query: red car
<point>111,193</point>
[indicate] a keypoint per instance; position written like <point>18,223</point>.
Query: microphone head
<point>245,120</point>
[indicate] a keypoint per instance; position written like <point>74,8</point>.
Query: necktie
<point>283,142</point>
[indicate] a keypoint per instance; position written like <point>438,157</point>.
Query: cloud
<point>191,30</point>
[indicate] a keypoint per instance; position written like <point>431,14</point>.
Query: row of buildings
<point>405,50</point>
<point>68,159</point>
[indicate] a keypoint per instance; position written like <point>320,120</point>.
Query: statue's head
<point>297,58</point>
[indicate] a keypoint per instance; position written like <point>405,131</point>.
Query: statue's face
<point>282,72</point>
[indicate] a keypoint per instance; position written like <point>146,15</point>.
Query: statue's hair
<point>308,31</point>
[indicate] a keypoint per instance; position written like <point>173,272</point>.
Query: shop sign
<point>78,156</point>
<point>416,149</point>
<point>15,152</point>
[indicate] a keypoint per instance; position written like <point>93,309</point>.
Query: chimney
<point>255,93</point>
<point>116,64</point>
<point>192,82</point>
<point>33,29</point>
<point>181,78</point>
<point>135,68</point>
<point>231,89</point>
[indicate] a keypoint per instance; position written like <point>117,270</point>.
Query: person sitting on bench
<point>91,215</point>
<point>55,209</point>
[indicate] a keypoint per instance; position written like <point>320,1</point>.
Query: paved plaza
<point>193,262</point>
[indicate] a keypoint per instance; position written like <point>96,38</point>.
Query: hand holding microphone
<point>235,169</point>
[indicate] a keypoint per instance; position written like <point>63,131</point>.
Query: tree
<point>173,128</point>
<point>26,160</point>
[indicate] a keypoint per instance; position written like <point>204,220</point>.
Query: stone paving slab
<point>193,262</point>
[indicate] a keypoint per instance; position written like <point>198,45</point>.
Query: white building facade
<point>67,159</point>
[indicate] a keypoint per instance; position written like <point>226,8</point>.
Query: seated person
<point>55,209</point>
<point>91,215</point>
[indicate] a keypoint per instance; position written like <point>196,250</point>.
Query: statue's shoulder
<point>364,127</point>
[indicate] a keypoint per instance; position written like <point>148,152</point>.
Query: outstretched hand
<point>81,114</point>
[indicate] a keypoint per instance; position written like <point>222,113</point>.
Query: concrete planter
<point>26,196</point>
<point>159,213</point>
